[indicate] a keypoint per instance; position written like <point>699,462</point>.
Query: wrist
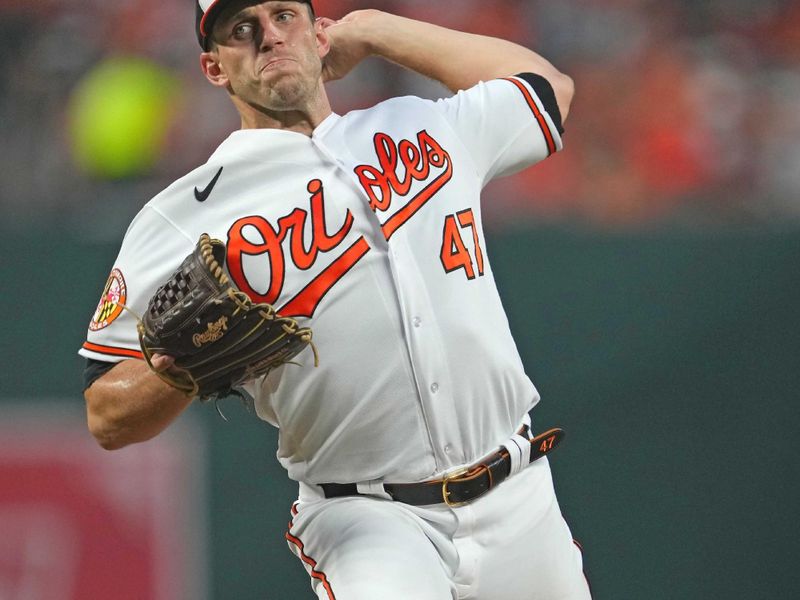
<point>375,29</point>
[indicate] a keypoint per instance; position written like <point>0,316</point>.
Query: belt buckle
<point>446,480</point>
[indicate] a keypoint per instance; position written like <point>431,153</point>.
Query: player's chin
<point>286,94</point>
<point>280,81</point>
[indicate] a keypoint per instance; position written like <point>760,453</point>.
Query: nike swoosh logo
<point>203,196</point>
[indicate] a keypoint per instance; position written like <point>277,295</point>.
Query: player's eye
<point>243,31</point>
<point>284,17</point>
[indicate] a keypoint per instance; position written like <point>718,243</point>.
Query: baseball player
<point>419,475</point>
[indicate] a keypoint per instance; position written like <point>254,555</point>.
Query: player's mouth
<point>276,63</point>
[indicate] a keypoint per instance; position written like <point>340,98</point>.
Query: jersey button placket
<point>425,346</point>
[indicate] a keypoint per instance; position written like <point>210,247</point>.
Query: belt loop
<point>374,488</point>
<point>526,422</point>
<point>519,449</point>
<point>525,448</point>
<point>308,492</point>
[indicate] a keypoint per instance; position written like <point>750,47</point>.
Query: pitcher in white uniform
<point>411,441</point>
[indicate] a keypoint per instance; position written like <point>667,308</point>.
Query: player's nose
<point>271,35</point>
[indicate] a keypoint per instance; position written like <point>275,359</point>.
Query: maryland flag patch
<point>111,302</point>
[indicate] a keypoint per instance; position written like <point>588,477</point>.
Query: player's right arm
<point>510,102</point>
<point>457,59</point>
<point>130,403</point>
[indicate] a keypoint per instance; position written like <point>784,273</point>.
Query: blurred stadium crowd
<point>686,111</point>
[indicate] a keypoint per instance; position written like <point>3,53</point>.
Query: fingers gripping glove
<point>219,338</point>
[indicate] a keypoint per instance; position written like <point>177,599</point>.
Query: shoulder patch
<point>111,302</point>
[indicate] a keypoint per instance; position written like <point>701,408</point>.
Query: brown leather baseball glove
<point>219,338</point>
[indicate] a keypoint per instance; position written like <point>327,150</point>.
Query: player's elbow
<point>564,90</point>
<point>104,433</point>
<point>108,433</point>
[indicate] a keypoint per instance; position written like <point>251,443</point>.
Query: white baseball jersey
<point>369,232</point>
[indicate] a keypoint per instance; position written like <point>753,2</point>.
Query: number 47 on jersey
<point>455,254</point>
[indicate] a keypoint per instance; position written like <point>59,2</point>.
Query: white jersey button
<point>417,321</point>
<point>434,387</point>
<point>448,449</point>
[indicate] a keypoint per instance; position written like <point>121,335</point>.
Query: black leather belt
<point>461,486</point>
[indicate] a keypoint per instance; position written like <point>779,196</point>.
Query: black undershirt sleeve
<point>94,370</point>
<point>545,92</point>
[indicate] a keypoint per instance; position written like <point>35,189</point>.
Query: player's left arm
<point>457,59</point>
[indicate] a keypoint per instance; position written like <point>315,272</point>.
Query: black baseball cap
<point>207,12</point>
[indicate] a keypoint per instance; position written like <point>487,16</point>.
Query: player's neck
<point>301,120</point>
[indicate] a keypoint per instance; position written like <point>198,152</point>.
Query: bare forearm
<point>459,60</point>
<point>131,404</point>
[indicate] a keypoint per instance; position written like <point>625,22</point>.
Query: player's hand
<point>350,41</point>
<point>161,362</point>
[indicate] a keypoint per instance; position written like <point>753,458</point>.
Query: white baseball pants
<point>510,544</point>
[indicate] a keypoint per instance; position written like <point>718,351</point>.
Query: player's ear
<point>323,39</point>
<point>212,69</point>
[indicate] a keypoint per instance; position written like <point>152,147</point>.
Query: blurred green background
<point>651,272</point>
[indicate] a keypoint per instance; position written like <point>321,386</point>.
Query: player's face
<point>270,53</point>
